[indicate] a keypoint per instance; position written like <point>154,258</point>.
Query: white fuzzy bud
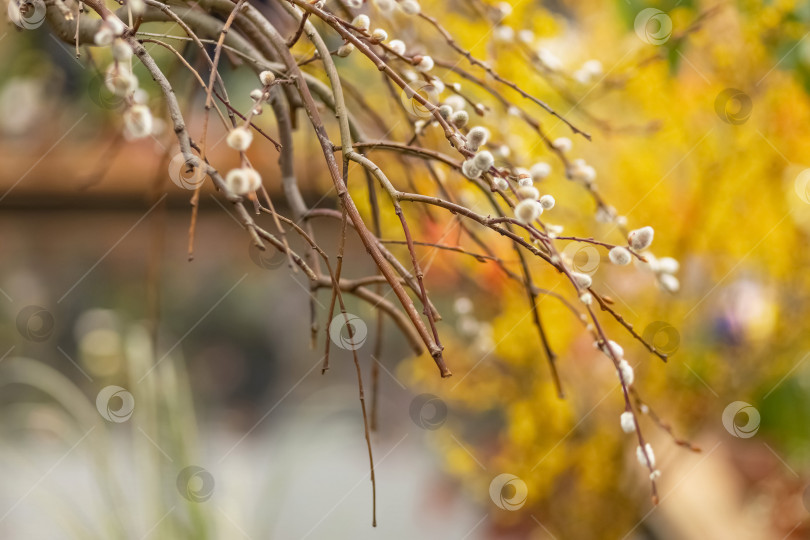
<point>563,144</point>
<point>121,50</point>
<point>379,35</point>
<point>528,210</point>
<point>620,256</point>
<point>626,372</point>
<point>504,34</point>
<point>120,80</point>
<point>267,77</point>
<point>104,35</point>
<point>345,50</point>
<point>667,265</point>
<point>477,136</point>
<point>646,456</point>
<point>547,202</point>
<point>256,95</point>
<point>526,36</point>
<point>628,423</point>
<point>140,96</point>
<point>354,4</point>
<point>425,64</point>
<point>586,298</point>
<point>446,111</point>
<point>669,283</point>
<point>115,25</point>
<point>539,171</point>
<point>385,6</point>
<point>583,281</point>
<point>137,7</point>
<point>641,239</point>
<point>470,170</point>
<point>583,172</point>
<point>500,183</point>
<point>456,102</point>
<point>138,121</point>
<point>483,160</point>
<point>239,138</point>
<point>362,22</point>
<point>410,7</point>
<point>615,348</point>
<point>529,192</point>
<point>243,181</point>
<point>459,118</point>
<point>549,59</point>
<point>398,46</point>
<point>593,68</point>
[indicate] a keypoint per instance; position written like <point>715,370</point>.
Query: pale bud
<point>528,210</point>
<point>500,183</point>
<point>459,119</point>
<point>410,7</point>
<point>529,192</point>
<point>483,160</point>
<point>362,22</point>
<point>645,456</point>
<point>539,171</point>
<point>425,64</point>
<point>619,256</point>
<point>470,170</point>
<point>583,281</point>
<point>547,202</point>
<point>628,423</point>
<point>239,138</point>
<point>669,283</point>
<point>267,77</point>
<point>243,181</point>
<point>138,121</point>
<point>626,372</point>
<point>641,239</point>
<point>398,46</point>
<point>563,144</point>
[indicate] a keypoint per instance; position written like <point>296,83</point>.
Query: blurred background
<point>146,395</point>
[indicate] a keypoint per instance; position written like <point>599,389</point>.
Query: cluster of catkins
<point>121,81</point>
<point>245,180</point>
